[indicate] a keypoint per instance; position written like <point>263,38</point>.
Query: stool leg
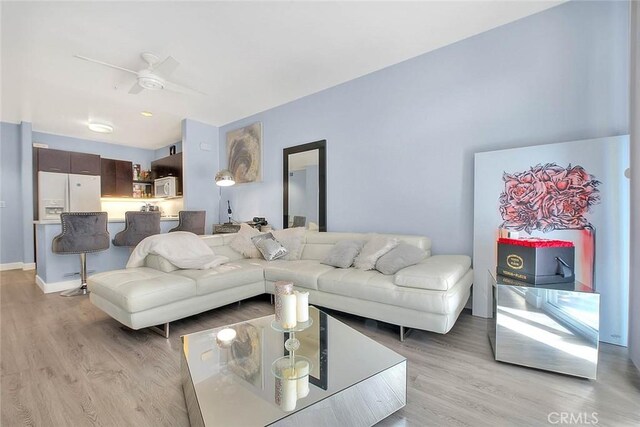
<point>82,290</point>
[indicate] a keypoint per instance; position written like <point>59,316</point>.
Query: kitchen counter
<point>57,272</point>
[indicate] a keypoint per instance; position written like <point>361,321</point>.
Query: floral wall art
<point>573,191</point>
<point>551,197</point>
<point>548,197</point>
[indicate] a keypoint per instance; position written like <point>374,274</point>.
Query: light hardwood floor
<point>65,363</point>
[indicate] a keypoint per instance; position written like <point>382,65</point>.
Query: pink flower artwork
<point>548,197</point>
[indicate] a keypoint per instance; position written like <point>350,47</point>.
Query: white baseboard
<point>11,266</point>
<point>18,266</point>
<point>48,288</point>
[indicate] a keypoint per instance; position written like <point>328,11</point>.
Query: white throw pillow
<point>291,239</point>
<point>372,250</point>
<point>160,263</point>
<point>242,242</point>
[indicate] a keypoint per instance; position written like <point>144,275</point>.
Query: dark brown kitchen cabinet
<point>168,166</point>
<point>116,178</point>
<point>85,164</point>
<point>54,160</point>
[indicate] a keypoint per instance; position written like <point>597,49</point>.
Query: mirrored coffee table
<point>228,378</point>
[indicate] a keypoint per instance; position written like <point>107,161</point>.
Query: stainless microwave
<point>166,187</point>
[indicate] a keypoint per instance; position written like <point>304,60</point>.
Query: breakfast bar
<point>55,272</point>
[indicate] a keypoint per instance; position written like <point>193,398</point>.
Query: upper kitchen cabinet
<point>168,166</point>
<point>116,178</point>
<point>85,164</point>
<point>54,160</point>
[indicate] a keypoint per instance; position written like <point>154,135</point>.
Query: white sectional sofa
<point>429,295</point>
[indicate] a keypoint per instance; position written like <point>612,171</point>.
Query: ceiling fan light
<point>100,127</point>
<point>151,82</point>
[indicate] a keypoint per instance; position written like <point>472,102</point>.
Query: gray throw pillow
<point>269,247</point>
<point>375,247</point>
<point>343,253</point>
<point>403,255</point>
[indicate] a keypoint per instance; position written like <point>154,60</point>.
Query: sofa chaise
<point>429,295</point>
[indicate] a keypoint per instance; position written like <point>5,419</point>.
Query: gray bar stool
<point>82,233</point>
<point>138,225</point>
<point>192,221</point>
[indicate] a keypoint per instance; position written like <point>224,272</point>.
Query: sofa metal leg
<point>271,295</point>
<point>403,333</point>
<point>161,329</point>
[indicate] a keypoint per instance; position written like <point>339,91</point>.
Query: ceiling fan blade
<point>136,88</point>
<point>166,67</point>
<point>105,64</point>
<point>175,87</point>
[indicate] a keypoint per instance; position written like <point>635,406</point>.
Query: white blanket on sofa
<point>181,248</point>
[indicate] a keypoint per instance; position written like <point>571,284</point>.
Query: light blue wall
<point>400,141</point>
<point>11,248</point>
<point>109,151</point>
<point>199,166</point>
<point>164,151</point>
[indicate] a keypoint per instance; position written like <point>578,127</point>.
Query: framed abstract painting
<point>244,153</point>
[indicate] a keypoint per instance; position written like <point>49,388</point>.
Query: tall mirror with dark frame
<point>305,186</point>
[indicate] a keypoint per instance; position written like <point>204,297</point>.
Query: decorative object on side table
<point>536,261</point>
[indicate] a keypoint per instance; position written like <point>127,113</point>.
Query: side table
<point>554,327</point>
<point>225,228</point>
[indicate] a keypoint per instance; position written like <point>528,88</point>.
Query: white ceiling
<point>246,56</point>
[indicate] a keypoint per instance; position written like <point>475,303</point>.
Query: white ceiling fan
<point>154,77</point>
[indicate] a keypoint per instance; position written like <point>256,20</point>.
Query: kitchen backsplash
<point>117,207</point>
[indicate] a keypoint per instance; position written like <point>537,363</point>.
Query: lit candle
<point>302,306</point>
<point>302,386</point>
<point>288,311</point>
<point>289,391</point>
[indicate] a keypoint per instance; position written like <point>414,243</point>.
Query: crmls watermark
<point>573,418</point>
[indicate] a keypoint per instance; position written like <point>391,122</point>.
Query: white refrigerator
<point>61,192</point>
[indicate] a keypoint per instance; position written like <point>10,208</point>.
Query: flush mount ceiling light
<point>100,127</point>
<point>146,113</point>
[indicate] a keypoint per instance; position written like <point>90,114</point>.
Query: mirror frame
<point>321,146</point>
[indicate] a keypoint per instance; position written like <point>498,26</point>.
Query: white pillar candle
<point>302,370</point>
<point>302,306</point>
<point>282,287</point>
<point>288,311</point>
<point>289,391</point>
<point>225,337</point>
